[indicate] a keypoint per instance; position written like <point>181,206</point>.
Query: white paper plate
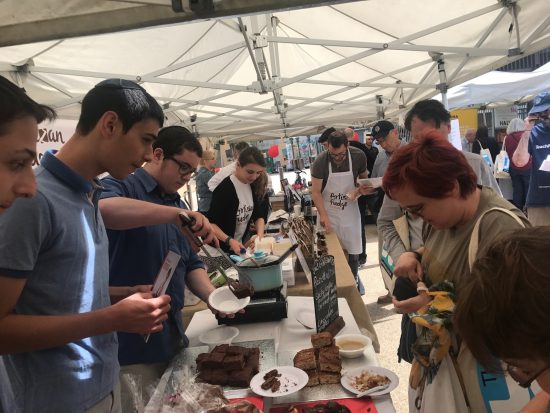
<point>222,299</point>
<point>292,379</point>
<point>307,318</point>
<point>350,374</point>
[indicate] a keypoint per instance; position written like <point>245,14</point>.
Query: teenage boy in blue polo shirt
<point>56,321</point>
<point>19,118</point>
<point>141,214</point>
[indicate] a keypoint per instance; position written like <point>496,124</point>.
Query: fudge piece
<point>335,327</point>
<point>240,378</point>
<point>222,348</point>
<point>235,362</point>
<point>236,350</point>
<point>305,359</point>
<point>201,358</point>
<point>271,373</point>
<point>329,378</point>
<point>313,376</point>
<point>329,361</point>
<point>253,360</point>
<point>214,361</point>
<point>205,375</point>
<point>218,376</point>
<point>322,339</point>
<point>269,382</point>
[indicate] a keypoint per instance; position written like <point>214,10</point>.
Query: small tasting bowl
<point>222,299</point>
<point>220,335</point>
<point>352,345</point>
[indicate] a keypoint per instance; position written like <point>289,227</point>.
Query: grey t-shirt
<point>319,169</point>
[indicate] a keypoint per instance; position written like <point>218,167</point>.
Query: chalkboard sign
<point>325,297</point>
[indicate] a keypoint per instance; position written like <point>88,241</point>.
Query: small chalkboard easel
<point>325,297</point>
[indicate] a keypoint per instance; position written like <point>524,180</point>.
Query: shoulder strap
<point>474,239</point>
<point>480,145</point>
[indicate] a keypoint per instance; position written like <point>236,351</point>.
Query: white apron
<point>343,214</point>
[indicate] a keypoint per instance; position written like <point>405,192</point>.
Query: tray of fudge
<point>230,366</point>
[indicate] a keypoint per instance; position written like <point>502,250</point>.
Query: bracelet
<point>228,239</point>
<point>417,255</point>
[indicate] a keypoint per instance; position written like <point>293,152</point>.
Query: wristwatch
<point>228,239</point>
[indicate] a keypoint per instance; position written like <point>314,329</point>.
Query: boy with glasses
<point>141,213</point>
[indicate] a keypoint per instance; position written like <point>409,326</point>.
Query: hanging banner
<point>503,115</point>
<point>53,135</point>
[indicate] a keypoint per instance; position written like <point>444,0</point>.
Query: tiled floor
<point>386,322</point>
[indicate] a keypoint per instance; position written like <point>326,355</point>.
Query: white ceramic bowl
<point>220,335</point>
<point>222,299</point>
<point>352,345</point>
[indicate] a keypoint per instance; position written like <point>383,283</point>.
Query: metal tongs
<point>239,290</point>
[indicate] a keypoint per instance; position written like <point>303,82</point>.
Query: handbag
<point>502,163</point>
<point>462,384</point>
<point>485,154</point>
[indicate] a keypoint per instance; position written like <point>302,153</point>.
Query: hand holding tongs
<point>238,289</point>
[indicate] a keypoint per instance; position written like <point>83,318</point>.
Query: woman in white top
<point>234,204</point>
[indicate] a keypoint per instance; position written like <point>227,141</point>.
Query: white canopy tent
<point>272,74</point>
<point>500,88</point>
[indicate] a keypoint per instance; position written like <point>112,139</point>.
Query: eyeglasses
<point>415,210</point>
<point>338,156</point>
<point>184,167</point>
<point>522,377</point>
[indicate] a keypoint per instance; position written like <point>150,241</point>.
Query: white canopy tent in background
<point>500,88</point>
<point>267,75</point>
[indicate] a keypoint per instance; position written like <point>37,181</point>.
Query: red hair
<point>431,165</point>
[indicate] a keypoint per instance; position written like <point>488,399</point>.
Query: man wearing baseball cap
<point>386,136</point>
<point>535,142</point>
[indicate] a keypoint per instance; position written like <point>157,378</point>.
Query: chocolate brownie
<point>235,362</point>
<point>305,359</point>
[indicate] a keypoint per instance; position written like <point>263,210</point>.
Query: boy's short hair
<point>174,140</point>
<point>16,104</point>
<point>428,110</point>
<point>127,99</point>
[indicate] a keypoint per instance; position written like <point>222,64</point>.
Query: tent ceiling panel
<point>342,63</point>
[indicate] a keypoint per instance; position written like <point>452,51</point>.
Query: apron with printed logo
<point>343,214</point>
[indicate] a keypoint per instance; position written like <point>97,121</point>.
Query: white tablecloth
<point>288,334</point>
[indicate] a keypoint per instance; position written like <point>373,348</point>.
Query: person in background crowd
<point>450,204</point>
<point>500,136</point>
<point>520,175</point>
<point>484,141</point>
<point>205,173</point>
<point>535,145</point>
<point>57,323</point>
<point>19,119</point>
<point>386,135</point>
<point>234,205</point>
<point>372,152</point>
<point>323,139</point>
<point>469,139</point>
<point>141,214</point>
<point>228,169</point>
<point>362,200</point>
<point>503,308</point>
<point>334,175</point>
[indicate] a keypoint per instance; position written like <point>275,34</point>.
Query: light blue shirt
<point>57,242</point>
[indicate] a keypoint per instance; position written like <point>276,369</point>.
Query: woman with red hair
<point>431,179</point>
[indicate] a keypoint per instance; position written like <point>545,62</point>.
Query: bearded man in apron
<point>334,174</point>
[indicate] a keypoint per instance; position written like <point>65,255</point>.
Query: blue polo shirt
<point>539,185</point>
<point>57,242</point>
<point>135,257</point>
